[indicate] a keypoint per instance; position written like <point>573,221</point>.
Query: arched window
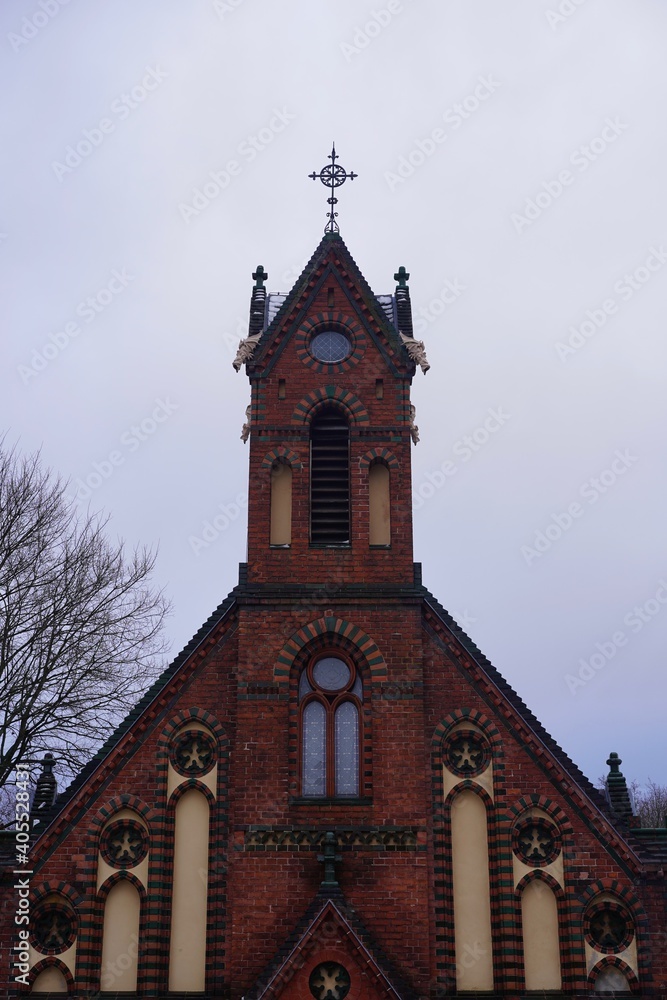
<point>329,478</point>
<point>330,700</point>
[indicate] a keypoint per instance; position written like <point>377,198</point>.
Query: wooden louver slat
<point>329,479</point>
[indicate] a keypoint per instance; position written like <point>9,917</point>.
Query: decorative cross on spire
<point>259,276</point>
<point>332,176</point>
<point>329,858</point>
<point>402,277</point>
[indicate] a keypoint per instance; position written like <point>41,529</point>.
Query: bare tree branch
<point>80,625</point>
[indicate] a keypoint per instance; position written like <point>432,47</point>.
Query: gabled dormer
<point>331,424</point>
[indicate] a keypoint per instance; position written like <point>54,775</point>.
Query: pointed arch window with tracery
<point>330,701</point>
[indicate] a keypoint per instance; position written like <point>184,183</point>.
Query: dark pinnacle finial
<point>259,276</point>
<point>329,858</point>
<point>332,176</point>
<point>402,277</point>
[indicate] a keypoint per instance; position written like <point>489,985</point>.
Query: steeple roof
<point>332,253</point>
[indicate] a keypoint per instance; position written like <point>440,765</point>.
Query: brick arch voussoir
<point>306,409</point>
<point>49,963</point>
<point>184,716</point>
<point>381,455</point>
<point>539,875</point>
<point>114,805</point>
<point>518,809</point>
<point>43,889</point>
<point>121,876</point>
<point>331,627</point>
<point>613,962</point>
<point>281,454</point>
<point>470,785</point>
<point>186,786</point>
<point>472,715</point>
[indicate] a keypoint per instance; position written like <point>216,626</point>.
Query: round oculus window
<point>331,673</point>
<point>330,346</point>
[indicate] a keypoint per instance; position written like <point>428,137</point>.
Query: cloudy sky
<point>510,155</point>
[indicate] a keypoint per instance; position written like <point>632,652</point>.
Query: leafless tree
<point>80,625</point>
<point>651,803</point>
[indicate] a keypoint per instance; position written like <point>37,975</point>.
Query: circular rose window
<point>330,346</point>
<point>329,981</point>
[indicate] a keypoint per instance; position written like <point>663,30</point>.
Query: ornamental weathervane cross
<point>332,176</point>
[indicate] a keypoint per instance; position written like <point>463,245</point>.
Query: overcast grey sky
<point>511,155</point>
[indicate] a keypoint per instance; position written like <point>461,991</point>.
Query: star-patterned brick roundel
<point>53,928</point>
<point>536,843</point>
<point>193,753</point>
<point>608,928</point>
<point>467,754</point>
<point>124,844</point>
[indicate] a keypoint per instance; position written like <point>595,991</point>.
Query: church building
<point>331,793</point>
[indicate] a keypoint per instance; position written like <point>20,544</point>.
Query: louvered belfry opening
<point>329,478</point>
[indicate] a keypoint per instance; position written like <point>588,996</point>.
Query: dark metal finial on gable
<point>332,176</point>
<point>329,859</point>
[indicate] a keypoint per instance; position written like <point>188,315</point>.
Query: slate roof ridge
<point>575,773</point>
<point>650,843</point>
<point>320,252</point>
<point>137,711</point>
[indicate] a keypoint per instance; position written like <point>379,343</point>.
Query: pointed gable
<point>331,262</point>
<point>329,934</point>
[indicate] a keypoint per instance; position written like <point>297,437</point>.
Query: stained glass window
<point>314,749</point>
<point>346,727</point>
<point>331,693</point>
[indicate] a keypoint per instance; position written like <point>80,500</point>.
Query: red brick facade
<point>272,918</point>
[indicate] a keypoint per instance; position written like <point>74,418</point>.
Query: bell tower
<point>331,426</point>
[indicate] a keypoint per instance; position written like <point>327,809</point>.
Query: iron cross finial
<point>332,176</point>
<point>402,277</point>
